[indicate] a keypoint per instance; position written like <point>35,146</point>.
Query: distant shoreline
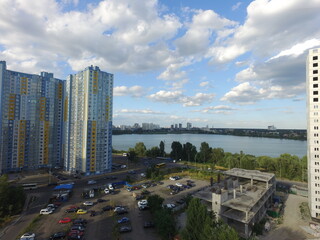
<point>289,134</point>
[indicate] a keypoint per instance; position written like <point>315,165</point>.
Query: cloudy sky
<point>218,63</point>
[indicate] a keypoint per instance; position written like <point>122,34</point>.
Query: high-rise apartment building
<point>88,121</point>
<point>31,115</point>
<point>313,124</point>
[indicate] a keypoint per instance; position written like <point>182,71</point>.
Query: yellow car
<point>81,211</point>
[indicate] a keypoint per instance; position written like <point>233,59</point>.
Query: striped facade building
<point>31,113</point>
<point>48,122</point>
<point>88,121</point>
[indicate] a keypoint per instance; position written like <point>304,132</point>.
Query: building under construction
<point>241,199</point>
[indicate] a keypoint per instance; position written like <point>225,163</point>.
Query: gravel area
<point>290,229</point>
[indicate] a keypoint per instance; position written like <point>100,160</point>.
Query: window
<point>315,85</point>
<point>315,71</point>
<point>315,58</point>
<point>315,65</point>
<point>315,99</point>
<point>315,92</point>
<point>315,78</point>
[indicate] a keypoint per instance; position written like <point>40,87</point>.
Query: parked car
<point>107,208</point>
<point>179,184</point>
<point>110,186</point>
<point>106,191</point>
<point>77,228</point>
<point>58,235</point>
<point>46,211</point>
<point>125,229</point>
<point>123,220</point>
<point>88,203</point>
<point>139,197</point>
<point>28,236</point>
<point>90,182</point>
<point>72,209</point>
<point>80,221</point>
<point>65,220</point>
<point>148,224</point>
<point>81,211</point>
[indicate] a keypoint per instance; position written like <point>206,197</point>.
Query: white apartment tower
<point>313,124</point>
<point>88,122</point>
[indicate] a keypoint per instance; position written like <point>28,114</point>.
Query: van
<point>46,211</point>
<point>124,154</point>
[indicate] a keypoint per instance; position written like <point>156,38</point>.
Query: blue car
<point>123,220</point>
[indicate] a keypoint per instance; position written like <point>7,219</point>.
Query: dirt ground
<point>290,229</point>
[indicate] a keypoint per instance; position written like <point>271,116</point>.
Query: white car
<point>88,203</point>
<point>170,205</point>
<point>142,203</point>
<point>46,211</point>
<point>123,166</point>
<point>92,182</point>
<point>110,187</point>
<point>179,184</point>
<point>28,236</point>
<point>106,191</point>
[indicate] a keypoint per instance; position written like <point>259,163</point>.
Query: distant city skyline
<point>236,64</point>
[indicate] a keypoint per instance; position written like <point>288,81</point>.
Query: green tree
<point>217,154</point>
<point>188,152</point>
<point>155,203</point>
<point>205,152</point>
<point>140,149</point>
<point>162,150</point>
<point>165,224</point>
<point>176,152</point>
<point>153,152</point>
<point>11,198</point>
<point>197,215</point>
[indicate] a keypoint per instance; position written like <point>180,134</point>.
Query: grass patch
<point>33,225</point>
<point>304,211</point>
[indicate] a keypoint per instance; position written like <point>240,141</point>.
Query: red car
<point>65,220</point>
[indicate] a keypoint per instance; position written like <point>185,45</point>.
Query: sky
<point>222,64</point>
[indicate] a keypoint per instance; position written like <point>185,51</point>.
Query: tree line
<point>12,199</point>
<point>285,166</point>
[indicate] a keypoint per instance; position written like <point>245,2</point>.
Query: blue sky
<point>237,64</point>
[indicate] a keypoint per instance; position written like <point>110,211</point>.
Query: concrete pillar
<point>267,184</point>
<point>241,188</point>
<point>246,216</point>
<point>251,181</point>
<point>246,230</point>
<point>234,194</point>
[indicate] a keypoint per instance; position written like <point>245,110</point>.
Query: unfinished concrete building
<point>241,199</point>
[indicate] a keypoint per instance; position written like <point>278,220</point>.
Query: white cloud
<point>270,26</point>
<point>236,6</point>
<point>247,93</point>
<point>204,84</point>
<point>139,111</point>
<point>134,91</point>
<point>174,97</point>
<point>117,35</point>
<point>298,49</point>
<point>197,37</point>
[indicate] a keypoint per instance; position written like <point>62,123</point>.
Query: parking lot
<point>104,224</point>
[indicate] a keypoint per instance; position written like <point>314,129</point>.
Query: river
<point>249,145</point>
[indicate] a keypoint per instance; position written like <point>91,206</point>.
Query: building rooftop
<point>255,174</point>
